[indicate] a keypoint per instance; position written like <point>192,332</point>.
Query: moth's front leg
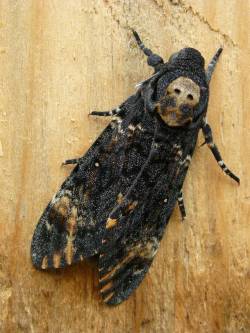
<point>71,161</point>
<point>114,112</point>
<point>207,132</point>
<point>181,205</point>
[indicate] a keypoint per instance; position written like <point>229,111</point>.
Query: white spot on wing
<point>131,127</point>
<point>48,226</point>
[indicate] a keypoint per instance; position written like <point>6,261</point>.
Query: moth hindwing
<point>119,197</point>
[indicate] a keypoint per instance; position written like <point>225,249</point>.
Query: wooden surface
<point>59,60</point>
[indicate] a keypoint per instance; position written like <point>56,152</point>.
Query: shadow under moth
<point>118,199</point>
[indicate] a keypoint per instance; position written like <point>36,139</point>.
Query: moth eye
<point>177,91</point>
<point>190,97</point>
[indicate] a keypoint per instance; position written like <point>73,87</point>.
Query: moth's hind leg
<point>207,132</point>
<point>181,205</point>
<point>154,59</point>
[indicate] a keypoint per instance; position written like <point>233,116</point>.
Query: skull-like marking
<point>177,105</point>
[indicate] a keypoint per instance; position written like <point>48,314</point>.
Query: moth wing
<point>136,226</point>
<point>64,230</point>
<point>70,228</point>
<point>122,268</point>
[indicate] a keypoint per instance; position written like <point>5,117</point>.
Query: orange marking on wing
<point>62,206</point>
<point>111,223</point>
<point>71,225</point>
<point>117,267</point>
<point>45,262</point>
<point>65,200</point>
<point>56,260</point>
<point>108,297</point>
<point>106,287</point>
<point>131,206</point>
<point>146,251</point>
<point>119,198</point>
<point>69,251</point>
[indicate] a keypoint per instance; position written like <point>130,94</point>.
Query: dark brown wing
<point>71,227</point>
<point>136,225</point>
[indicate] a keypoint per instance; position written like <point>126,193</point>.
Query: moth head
<point>182,91</point>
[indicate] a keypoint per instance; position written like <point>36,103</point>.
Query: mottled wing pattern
<point>136,225</point>
<point>71,227</point>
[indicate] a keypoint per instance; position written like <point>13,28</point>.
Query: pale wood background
<point>59,60</point>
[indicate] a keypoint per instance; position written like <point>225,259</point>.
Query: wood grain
<point>61,59</point>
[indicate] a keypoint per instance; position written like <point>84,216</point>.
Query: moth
<point>118,199</point>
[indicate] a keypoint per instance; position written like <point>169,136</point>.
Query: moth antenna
<point>154,59</point>
<point>145,50</point>
<point>212,64</point>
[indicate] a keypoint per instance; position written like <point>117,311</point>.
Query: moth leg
<point>212,64</point>
<point>154,60</point>
<point>111,113</point>
<point>207,132</point>
<point>72,161</point>
<point>181,205</point>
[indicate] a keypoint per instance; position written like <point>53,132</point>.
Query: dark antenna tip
<point>137,38</point>
<point>220,49</point>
